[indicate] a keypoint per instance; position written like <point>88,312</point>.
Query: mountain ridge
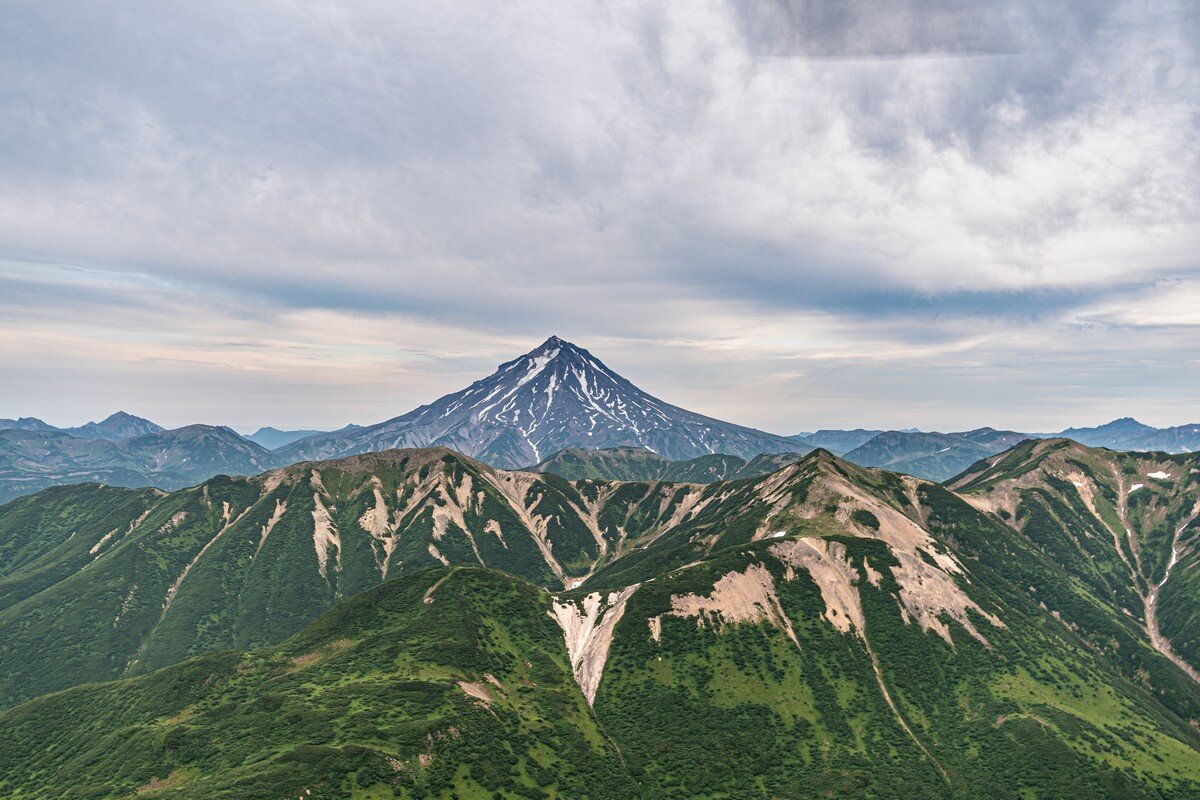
<point>826,628</point>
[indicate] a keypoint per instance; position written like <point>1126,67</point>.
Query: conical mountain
<point>555,397</point>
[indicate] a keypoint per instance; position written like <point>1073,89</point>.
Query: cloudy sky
<point>788,213</point>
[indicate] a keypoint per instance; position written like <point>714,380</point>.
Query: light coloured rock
<point>747,596</point>
<point>927,594</point>
<point>433,551</point>
<point>515,487</point>
<point>375,522</point>
<point>588,633</point>
<point>280,510</point>
<point>873,577</point>
<point>476,690</point>
<point>325,538</point>
<point>829,568</point>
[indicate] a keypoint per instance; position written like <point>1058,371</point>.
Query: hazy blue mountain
<point>838,442</point>
<point>25,424</point>
<point>116,426</point>
<point>933,456</point>
<point>555,397</point>
<point>993,439</point>
<point>1113,435</point>
<point>34,460</point>
<point>274,438</point>
<point>1129,434</point>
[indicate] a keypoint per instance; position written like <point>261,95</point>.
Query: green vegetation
<point>639,464</point>
<point>826,630</point>
<point>365,703</point>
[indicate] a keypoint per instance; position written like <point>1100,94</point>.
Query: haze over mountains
<point>273,438</point>
<point>116,426</point>
<point>31,460</point>
<point>556,399</point>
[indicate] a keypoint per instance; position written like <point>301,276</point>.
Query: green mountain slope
<point>243,562</point>
<point>1123,524</point>
<point>870,641</point>
<point>49,537</point>
<point>639,464</point>
<point>445,684</point>
<point>881,641</point>
<point>804,672</point>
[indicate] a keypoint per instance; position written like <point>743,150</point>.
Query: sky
<point>791,214</point>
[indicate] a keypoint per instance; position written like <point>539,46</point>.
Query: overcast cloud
<point>787,213</point>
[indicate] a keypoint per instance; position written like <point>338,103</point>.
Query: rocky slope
<point>638,464</point>
<point>555,397</point>
<point>239,562</point>
<point>1124,524</point>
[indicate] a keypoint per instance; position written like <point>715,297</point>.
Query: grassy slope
<point>638,464</point>
<point>711,710</point>
<point>1034,713</point>
<point>196,572</point>
<point>1072,504</point>
<point>365,703</point>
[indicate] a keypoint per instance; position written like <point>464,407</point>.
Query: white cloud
<point>343,184</point>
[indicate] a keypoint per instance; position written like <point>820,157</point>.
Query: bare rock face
<point>588,633</point>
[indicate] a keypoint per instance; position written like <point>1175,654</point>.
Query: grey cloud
<point>879,28</point>
<point>802,177</point>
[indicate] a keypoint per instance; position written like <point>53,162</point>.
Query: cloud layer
<point>791,213</point>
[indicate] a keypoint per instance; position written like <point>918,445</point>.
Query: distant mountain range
<point>1129,434</point>
<point>117,426</point>
<point>940,456</point>
<point>837,442</point>
<point>273,438</point>
<point>933,456</point>
<point>556,409</point>
<point>31,460</point>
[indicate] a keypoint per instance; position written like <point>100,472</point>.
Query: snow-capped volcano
<point>553,397</point>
